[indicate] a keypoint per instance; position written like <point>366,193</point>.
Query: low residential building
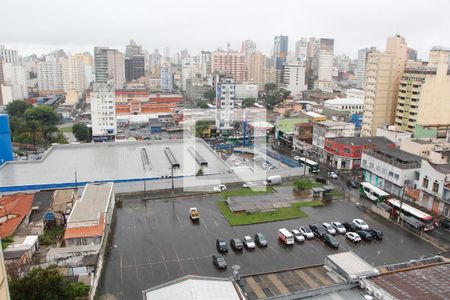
<point>345,152</point>
<point>436,151</point>
<point>22,250</point>
<point>331,129</point>
<point>392,133</point>
<point>314,117</point>
<point>14,209</point>
<point>246,90</point>
<point>352,105</point>
<point>355,93</point>
<point>434,186</point>
<point>303,135</point>
<point>284,130</point>
<point>390,168</point>
<point>91,215</point>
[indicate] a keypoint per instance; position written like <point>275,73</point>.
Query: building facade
<point>256,68</point>
<point>390,169</point>
<point>134,67</point>
<point>8,55</point>
<point>225,104</point>
<point>280,53</point>
<point>331,129</point>
<point>422,89</point>
<point>166,78</point>
<point>230,63</point>
<point>109,64</point>
<point>324,57</point>
<point>383,74</point>
<point>360,71</point>
<point>436,151</point>
<point>103,112</point>
<point>294,77</point>
<point>352,105</point>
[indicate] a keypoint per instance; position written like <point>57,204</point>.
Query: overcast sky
<point>78,25</point>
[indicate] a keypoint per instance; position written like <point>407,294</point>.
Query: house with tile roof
<point>13,210</point>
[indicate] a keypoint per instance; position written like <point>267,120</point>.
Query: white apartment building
<point>246,90</point>
<point>8,55</point>
<point>434,186</point>
<point>294,77</point>
<point>103,111</point>
<point>331,129</point>
<point>166,78</point>
<point>301,49</point>
<point>352,105</point>
<point>50,75</point>
<point>225,104</point>
<point>324,57</point>
<point>436,151</point>
<point>389,168</point>
<point>15,76</point>
<point>355,93</point>
<point>360,71</point>
<point>393,134</point>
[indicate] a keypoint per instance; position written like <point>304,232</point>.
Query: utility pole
<point>172,179</point>
<point>76,180</point>
<point>406,182</point>
<point>145,191</point>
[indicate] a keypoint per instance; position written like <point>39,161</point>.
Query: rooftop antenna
<point>228,47</point>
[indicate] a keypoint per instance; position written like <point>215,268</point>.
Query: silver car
<point>330,229</point>
<point>339,227</point>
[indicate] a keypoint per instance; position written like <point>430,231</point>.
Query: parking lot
<point>154,242</point>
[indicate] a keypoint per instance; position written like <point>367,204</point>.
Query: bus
<point>313,166</point>
<point>372,193</point>
<point>407,211</point>
<point>286,236</point>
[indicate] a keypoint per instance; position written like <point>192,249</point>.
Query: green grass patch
<point>7,241</point>
<point>51,235</point>
<point>336,193</point>
<point>66,129</point>
<point>245,192</point>
<point>285,213</point>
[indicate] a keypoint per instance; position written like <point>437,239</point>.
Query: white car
<point>339,227</point>
<point>297,235</point>
<point>249,184</point>
<point>306,232</point>
<point>248,242</point>
<point>220,188</point>
<point>330,229</point>
<point>333,175</point>
<point>360,224</point>
<point>353,237</point>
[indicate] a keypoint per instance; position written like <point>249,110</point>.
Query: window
<point>425,182</point>
<point>371,165</point>
<point>364,162</point>
<point>435,186</point>
<point>391,174</point>
<point>347,150</point>
<point>396,176</point>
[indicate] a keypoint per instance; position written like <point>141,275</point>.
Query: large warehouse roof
<point>115,162</point>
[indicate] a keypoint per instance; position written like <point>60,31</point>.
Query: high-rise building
<point>166,78</point>
<point>248,47</point>
<point>301,49</point>
<point>15,76</point>
<point>383,74</point>
<point>361,67</point>
<point>50,76</point>
<point>412,54</point>
<point>8,55</point>
<point>229,63</point>
<point>133,49</point>
<point>109,64</point>
<point>294,77</point>
<point>206,63</point>
<point>424,93</point>
<point>103,111</point>
<point>324,57</point>
<point>280,52</point>
<point>134,67</point>
<point>225,103</point>
<point>256,68</point>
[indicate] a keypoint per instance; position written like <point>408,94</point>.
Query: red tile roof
<point>16,207</point>
<point>88,231</point>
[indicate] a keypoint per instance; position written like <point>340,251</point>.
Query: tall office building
<point>229,63</point>
<point>424,93</point>
<point>103,111</point>
<point>301,49</point>
<point>133,49</point>
<point>383,74</point>
<point>109,64</point>
<point>324,57</point>
<point>8,55</point>
<point>248,47</point>
<point>360,71</point>
<point>280,52</point>
<point>166,78</point>
<point>294,77</point>
<point>256,69</point>
<point>134,67</point>
<point>225,103</point>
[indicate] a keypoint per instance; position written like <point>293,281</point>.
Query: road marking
<point>150,264</point>
<point>165,265</point>
<point>136,268</point>
<point>178,260</point>
<point>179,221</point>
<point>121,269</point>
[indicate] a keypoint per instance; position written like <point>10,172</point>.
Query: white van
<point>273,180</point>
<point>286,236</point>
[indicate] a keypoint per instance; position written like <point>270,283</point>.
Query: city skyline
<point>344,22</point>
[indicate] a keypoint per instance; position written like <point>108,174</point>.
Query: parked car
<point>444,223</point>
<point>330,240</point>
<point>352,183</point>
<point>306,232</point>
<point>318,230</point>
<point>330,229</point>
<point>297,235</point>
<point>360,223</point>
<point>333,175</point>
<point>353,237</point>
<point>376,234</point>
<point>249,184</point>
<point>365,235</point>
<point>220,188</point>
<point>236,244</point>
<point>260,240</point>
<point>349,227</point>
<point>221,246</point>
<point>219,261</point>
<point>339,227</point>
<point>248,242</point>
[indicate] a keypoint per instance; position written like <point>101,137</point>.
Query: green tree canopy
<point>202,104</point>
<point>200,126</point>
<point>46,283</point>
<point>17,108</point>
<point>272,95</point>
<point>210,95</point>
<point>248,102</point>
<point>81,132</point>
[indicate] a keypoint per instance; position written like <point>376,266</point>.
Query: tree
<point>199,172</point>
<point>81,132</point>
<point>46,283</point>
<point>202,104</point>
<point>210,95</point>
<point>41,121</point>
<point>248,102</point>
<point>273,96</point>
<point>200,126</point>
<point>17,108</point>
<point>303,184</point>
